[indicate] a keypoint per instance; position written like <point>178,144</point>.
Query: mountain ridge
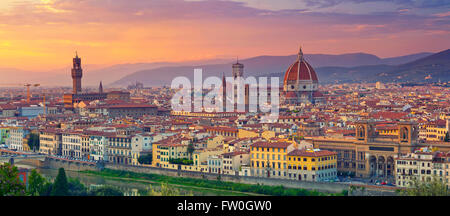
<point>264,65</point>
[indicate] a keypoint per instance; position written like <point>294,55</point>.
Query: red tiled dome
<point>300,70</point>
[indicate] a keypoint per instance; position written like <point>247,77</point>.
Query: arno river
<point>129,188</point>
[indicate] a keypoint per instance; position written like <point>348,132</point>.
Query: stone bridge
<point>38,160</point>
<point>55,162</point>
<point>8,156</point>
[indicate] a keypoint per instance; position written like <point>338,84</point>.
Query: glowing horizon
<point>44,34</point>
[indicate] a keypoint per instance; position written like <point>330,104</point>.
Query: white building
<point>142,143</point>
<point>16,136</point>
<point>71,144</point>
<point>233,161</point>
<point>98,145</point>
<point>422,166</point>
<point>215,164</point>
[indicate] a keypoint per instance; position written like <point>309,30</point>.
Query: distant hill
<point>330,68</point>
<point>264,65</point>
<point>92,74</point>
<point>404,59</point>
<point>436,67</point>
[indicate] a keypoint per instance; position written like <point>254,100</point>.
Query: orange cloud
<point>45,35</point>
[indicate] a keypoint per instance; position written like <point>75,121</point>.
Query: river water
<point>129,188</point>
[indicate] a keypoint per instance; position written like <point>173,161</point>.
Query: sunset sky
<point>44,34</point>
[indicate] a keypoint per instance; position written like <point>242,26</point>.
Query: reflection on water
<point>127,187</point>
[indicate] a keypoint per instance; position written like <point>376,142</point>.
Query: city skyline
<point>46,33</point>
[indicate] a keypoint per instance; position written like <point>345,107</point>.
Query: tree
<point>106,191</point>
<point>435,187</point>
<point>183,161</point>
<point>76,188</point>
<point>190,149</point>
<point>37,185</point>
<point>60,186</point>
<point>33,141</point>
<point>10,183</point>
<point>145,159</point>
<point>447,137</point>
<point>167,190</point>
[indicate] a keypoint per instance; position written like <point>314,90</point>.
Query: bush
<point>106,191</point>
<point>182,161</point>
<point>145,159</point>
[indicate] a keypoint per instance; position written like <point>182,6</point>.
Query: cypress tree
<point>60,186</point>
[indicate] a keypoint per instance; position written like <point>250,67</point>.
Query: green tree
<point>10,183</point>
<point>167,190</point>
<point>37,185</point>
<point>76,188</point>
<point>33,141</point>
<point>447,137</point>
<point>60,186</point>
<point>106,191</point>
<point>47,189</point>
<point>145,159</point>
<point>183,161</point>
<point>190,149</point>
<point>435,187</point>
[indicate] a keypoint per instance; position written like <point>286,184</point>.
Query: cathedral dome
<point>300,70</point>
<point>291,95</point>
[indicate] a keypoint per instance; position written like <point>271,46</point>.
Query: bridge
<point>7,155</point>
<point>78,162</point>
<point>39,160</point>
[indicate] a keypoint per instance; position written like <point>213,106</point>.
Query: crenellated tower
<point>77,74</point>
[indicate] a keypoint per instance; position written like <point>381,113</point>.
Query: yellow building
<point>388,130</point>
<point>155,155</point>
<point>50,141</point>
<point>168,151</point>
<point>247,134</point>
<point>212,143</point>
<point>200,158</point>
<point>435,132</point>
<point>311,165</point>
<point>268,159</point>
<point>223,131</point>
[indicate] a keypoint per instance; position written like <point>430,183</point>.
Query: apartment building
<point>312,165</point>
<point>71,144</point>
<point>423,165</point>
<point>268,159</point>
<point>16,138</point>
<point>50,141</point>
<point>119,149</point>
<point>233,162</point>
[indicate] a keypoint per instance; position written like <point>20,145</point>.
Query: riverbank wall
<point>52,163</point>
<point>327,187</point>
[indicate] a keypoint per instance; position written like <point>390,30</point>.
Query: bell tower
<point>238,69</point>
<point>77,74</point>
